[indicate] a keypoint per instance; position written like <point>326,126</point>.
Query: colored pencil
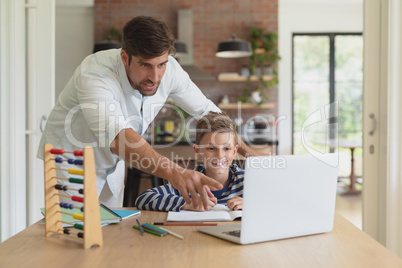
<point>172,233</point>
<point>186,223</point>
<point>148,231</point>
<point>154,228</point>
<point>140,227</point>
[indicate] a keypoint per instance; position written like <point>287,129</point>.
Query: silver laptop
<point>284,196</point>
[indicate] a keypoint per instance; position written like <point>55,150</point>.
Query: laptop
<point>284,197</point>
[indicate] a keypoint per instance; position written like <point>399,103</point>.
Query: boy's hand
<point>236,203</point>
<point>212,201</point>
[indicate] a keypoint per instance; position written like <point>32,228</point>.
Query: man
<point>111,99</point>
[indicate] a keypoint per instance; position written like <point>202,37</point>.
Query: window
<point>327,93</point>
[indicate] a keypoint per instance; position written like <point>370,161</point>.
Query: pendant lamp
<point>234,48</point>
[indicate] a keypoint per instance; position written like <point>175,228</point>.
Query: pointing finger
<point>211,183</point>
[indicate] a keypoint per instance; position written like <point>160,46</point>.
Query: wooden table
<point>345,246</point>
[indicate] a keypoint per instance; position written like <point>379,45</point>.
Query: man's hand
<point>128,143</point>
<point>236,203</point>
<point>191,182</point>
<point>212,201</point>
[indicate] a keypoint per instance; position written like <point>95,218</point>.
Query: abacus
<point>90,232</point>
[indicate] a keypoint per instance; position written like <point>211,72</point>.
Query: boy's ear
<point>196,150</point>
<point>236,148</point>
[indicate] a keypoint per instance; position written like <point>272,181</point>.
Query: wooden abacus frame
<point>92,222</point>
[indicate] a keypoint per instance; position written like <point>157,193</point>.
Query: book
<point>218,213</point>
<point>106,214</point>
<point>124,214</point>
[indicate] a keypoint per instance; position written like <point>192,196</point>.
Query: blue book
<point>124,214</point>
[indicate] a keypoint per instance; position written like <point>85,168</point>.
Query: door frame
<point>382,150</point>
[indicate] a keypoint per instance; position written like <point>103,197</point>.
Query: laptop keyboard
<point>233,233</point>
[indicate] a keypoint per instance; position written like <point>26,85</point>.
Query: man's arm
<point>130,146</point>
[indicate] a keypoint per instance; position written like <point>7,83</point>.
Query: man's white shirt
<point>98,102</point>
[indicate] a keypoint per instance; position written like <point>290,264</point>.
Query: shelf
<point>239,78</point>
<point>239,105</point>
<point>259,51</point>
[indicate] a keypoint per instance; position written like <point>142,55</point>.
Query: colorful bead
<point>79,226</point>
<point>76,180</point>
<point>76,171</point>
<point>78,216</point>
<point>56,151</point>
<point>75,161</point>
<point>77,198</point>
<point>78,153</point>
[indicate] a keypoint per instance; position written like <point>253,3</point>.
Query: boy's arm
<point>162,198</point>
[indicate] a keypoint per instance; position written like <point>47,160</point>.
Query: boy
<point>216,145</point>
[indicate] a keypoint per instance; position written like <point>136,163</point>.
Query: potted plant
<point>262,62</point>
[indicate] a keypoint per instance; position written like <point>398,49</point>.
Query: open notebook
<point>217,213</point>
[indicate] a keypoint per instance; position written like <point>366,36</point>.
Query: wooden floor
<point>349,206</point>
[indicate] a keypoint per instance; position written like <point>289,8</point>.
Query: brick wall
<point>214,21</point>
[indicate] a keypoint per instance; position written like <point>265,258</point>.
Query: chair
<point>132,187</point>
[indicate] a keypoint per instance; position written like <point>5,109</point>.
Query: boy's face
<point>217,151</point>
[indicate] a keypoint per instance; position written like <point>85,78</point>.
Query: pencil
<point>186,223</point>
<point>154,228</point>
<point>149,231</point>
<point>172,233</point>
<point>140,227</point>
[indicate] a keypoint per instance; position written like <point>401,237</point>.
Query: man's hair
<point>147,37</point>
<point>215,122</point>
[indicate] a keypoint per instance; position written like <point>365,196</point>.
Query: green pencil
<point>148,231</point>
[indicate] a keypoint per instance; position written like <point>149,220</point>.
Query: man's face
<point>145,75</point>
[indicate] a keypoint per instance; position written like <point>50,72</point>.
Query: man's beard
<point>143,90</point>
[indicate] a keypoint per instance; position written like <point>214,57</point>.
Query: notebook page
<point>217,213</point>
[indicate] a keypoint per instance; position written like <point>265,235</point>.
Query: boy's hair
<point>147,37</point>
<point>215,122</point>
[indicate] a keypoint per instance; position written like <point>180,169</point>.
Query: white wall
<point>26,92</point>
<point>307,16</point>
<point>74,38</point>
<point>12,118</point>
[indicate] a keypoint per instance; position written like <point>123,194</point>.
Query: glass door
<point>327,99</point>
